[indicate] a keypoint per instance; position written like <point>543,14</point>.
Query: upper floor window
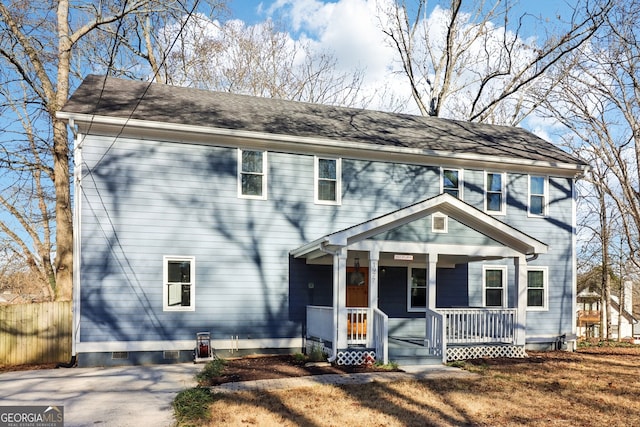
<point>537,288</point>
<point>328,180</point>
<point>537,195</point>
<point>494,282</point>
<point>495,192</point>
<point>451,182</point>
<point>417,289</point>
<point>252,174</point>
<point>179,283</point>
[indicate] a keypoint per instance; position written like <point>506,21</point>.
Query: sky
<point>349,29</point>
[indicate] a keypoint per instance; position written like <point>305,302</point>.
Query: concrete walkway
<point>111,397</point>
<point>410,373</point>
<point>142,395</point>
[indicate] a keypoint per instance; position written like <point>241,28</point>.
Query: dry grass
<point>594,387</point>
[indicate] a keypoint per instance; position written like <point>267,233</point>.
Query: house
<point>277,226</point>
<point>589,314</point>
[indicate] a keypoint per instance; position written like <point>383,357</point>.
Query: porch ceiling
<point>444,203</point>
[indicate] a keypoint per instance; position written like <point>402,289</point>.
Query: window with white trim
<point>328,185</point>
<point>451,182</point>
<point>252,174</point>
<point>537,195</point>
<point>178,292</point>
<point>494,284</point>
<point>417,289</point>
<point>537,288</point>
<point>495,194</point>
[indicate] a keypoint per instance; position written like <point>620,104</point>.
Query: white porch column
<point>374,257</point>
<point>340,299</point>
<point>432,262</point>
<point>521,300</point>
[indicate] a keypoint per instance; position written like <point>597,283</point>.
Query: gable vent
<point>439,223</point>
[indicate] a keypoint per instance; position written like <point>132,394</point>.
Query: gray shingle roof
<point>108,96</point>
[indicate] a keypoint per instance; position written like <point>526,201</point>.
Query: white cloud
<point>349,30</point>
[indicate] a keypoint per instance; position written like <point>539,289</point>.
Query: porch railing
<point>381,335</point>
<point>479,325</point>
<point>434,339</point>
<point>320,322</point>
<point>357,325</point>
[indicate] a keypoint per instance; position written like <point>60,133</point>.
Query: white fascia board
<point>308,145</point>
<point>471,251</point>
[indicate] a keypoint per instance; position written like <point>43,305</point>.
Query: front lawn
<point>594,386</point>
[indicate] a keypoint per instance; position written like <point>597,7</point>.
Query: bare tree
<point>598,102</point>
<point>468,60</point>
<point>43,45</point>
<point>260,60</point>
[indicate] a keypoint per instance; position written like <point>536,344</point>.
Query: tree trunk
<point>64,211</point>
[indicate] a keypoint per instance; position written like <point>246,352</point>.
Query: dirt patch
<point>13,368</point>
<point>282,366</point>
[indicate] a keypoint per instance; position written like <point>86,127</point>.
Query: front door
<point>357,297</point>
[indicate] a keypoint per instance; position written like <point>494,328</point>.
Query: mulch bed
<point>281,366</point>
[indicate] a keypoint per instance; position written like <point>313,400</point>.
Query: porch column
<point>521,301</point>
<point>432,262</point>
<point>340,299</point>
<point>374,256</point>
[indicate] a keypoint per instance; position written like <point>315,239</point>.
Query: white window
<point>537,195</point>
<point>494,283</point>
<point>439,223</point>
<point>328,186</point>
<point>451,182</point>
<point>252,174</point>
<point>417,289</point>
<point>537,288</point>
<point>495,194</point>
<point>178,292</point>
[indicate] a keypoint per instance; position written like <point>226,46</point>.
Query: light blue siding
<point>421,231</point>
<point>147,199</point>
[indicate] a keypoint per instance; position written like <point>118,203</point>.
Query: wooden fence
<point>35,333</point>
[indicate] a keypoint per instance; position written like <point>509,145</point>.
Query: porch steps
<point>409,352</point>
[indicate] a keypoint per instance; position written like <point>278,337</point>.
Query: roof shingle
<point>112,97</point>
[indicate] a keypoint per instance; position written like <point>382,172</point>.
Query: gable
<point>422,230</point>
<point>476,222</point>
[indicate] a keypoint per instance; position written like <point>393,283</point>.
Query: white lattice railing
<point>357,325</point>
<point>381,335</point>
<point>479,325</point>
<point>320,322</point>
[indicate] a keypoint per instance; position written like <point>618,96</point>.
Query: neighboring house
<point>589,314</point>
<point>276,225</point>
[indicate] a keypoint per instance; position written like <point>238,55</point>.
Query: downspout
<point>77,193</point>
<point>334,347</point>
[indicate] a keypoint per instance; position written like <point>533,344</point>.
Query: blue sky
<point>252,11</point>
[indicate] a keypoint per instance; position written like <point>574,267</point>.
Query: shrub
<point>192,405</point>
<point>316,354</point>
<point>211,370</point>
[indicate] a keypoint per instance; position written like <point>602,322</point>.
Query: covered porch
<point>412,286</point>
